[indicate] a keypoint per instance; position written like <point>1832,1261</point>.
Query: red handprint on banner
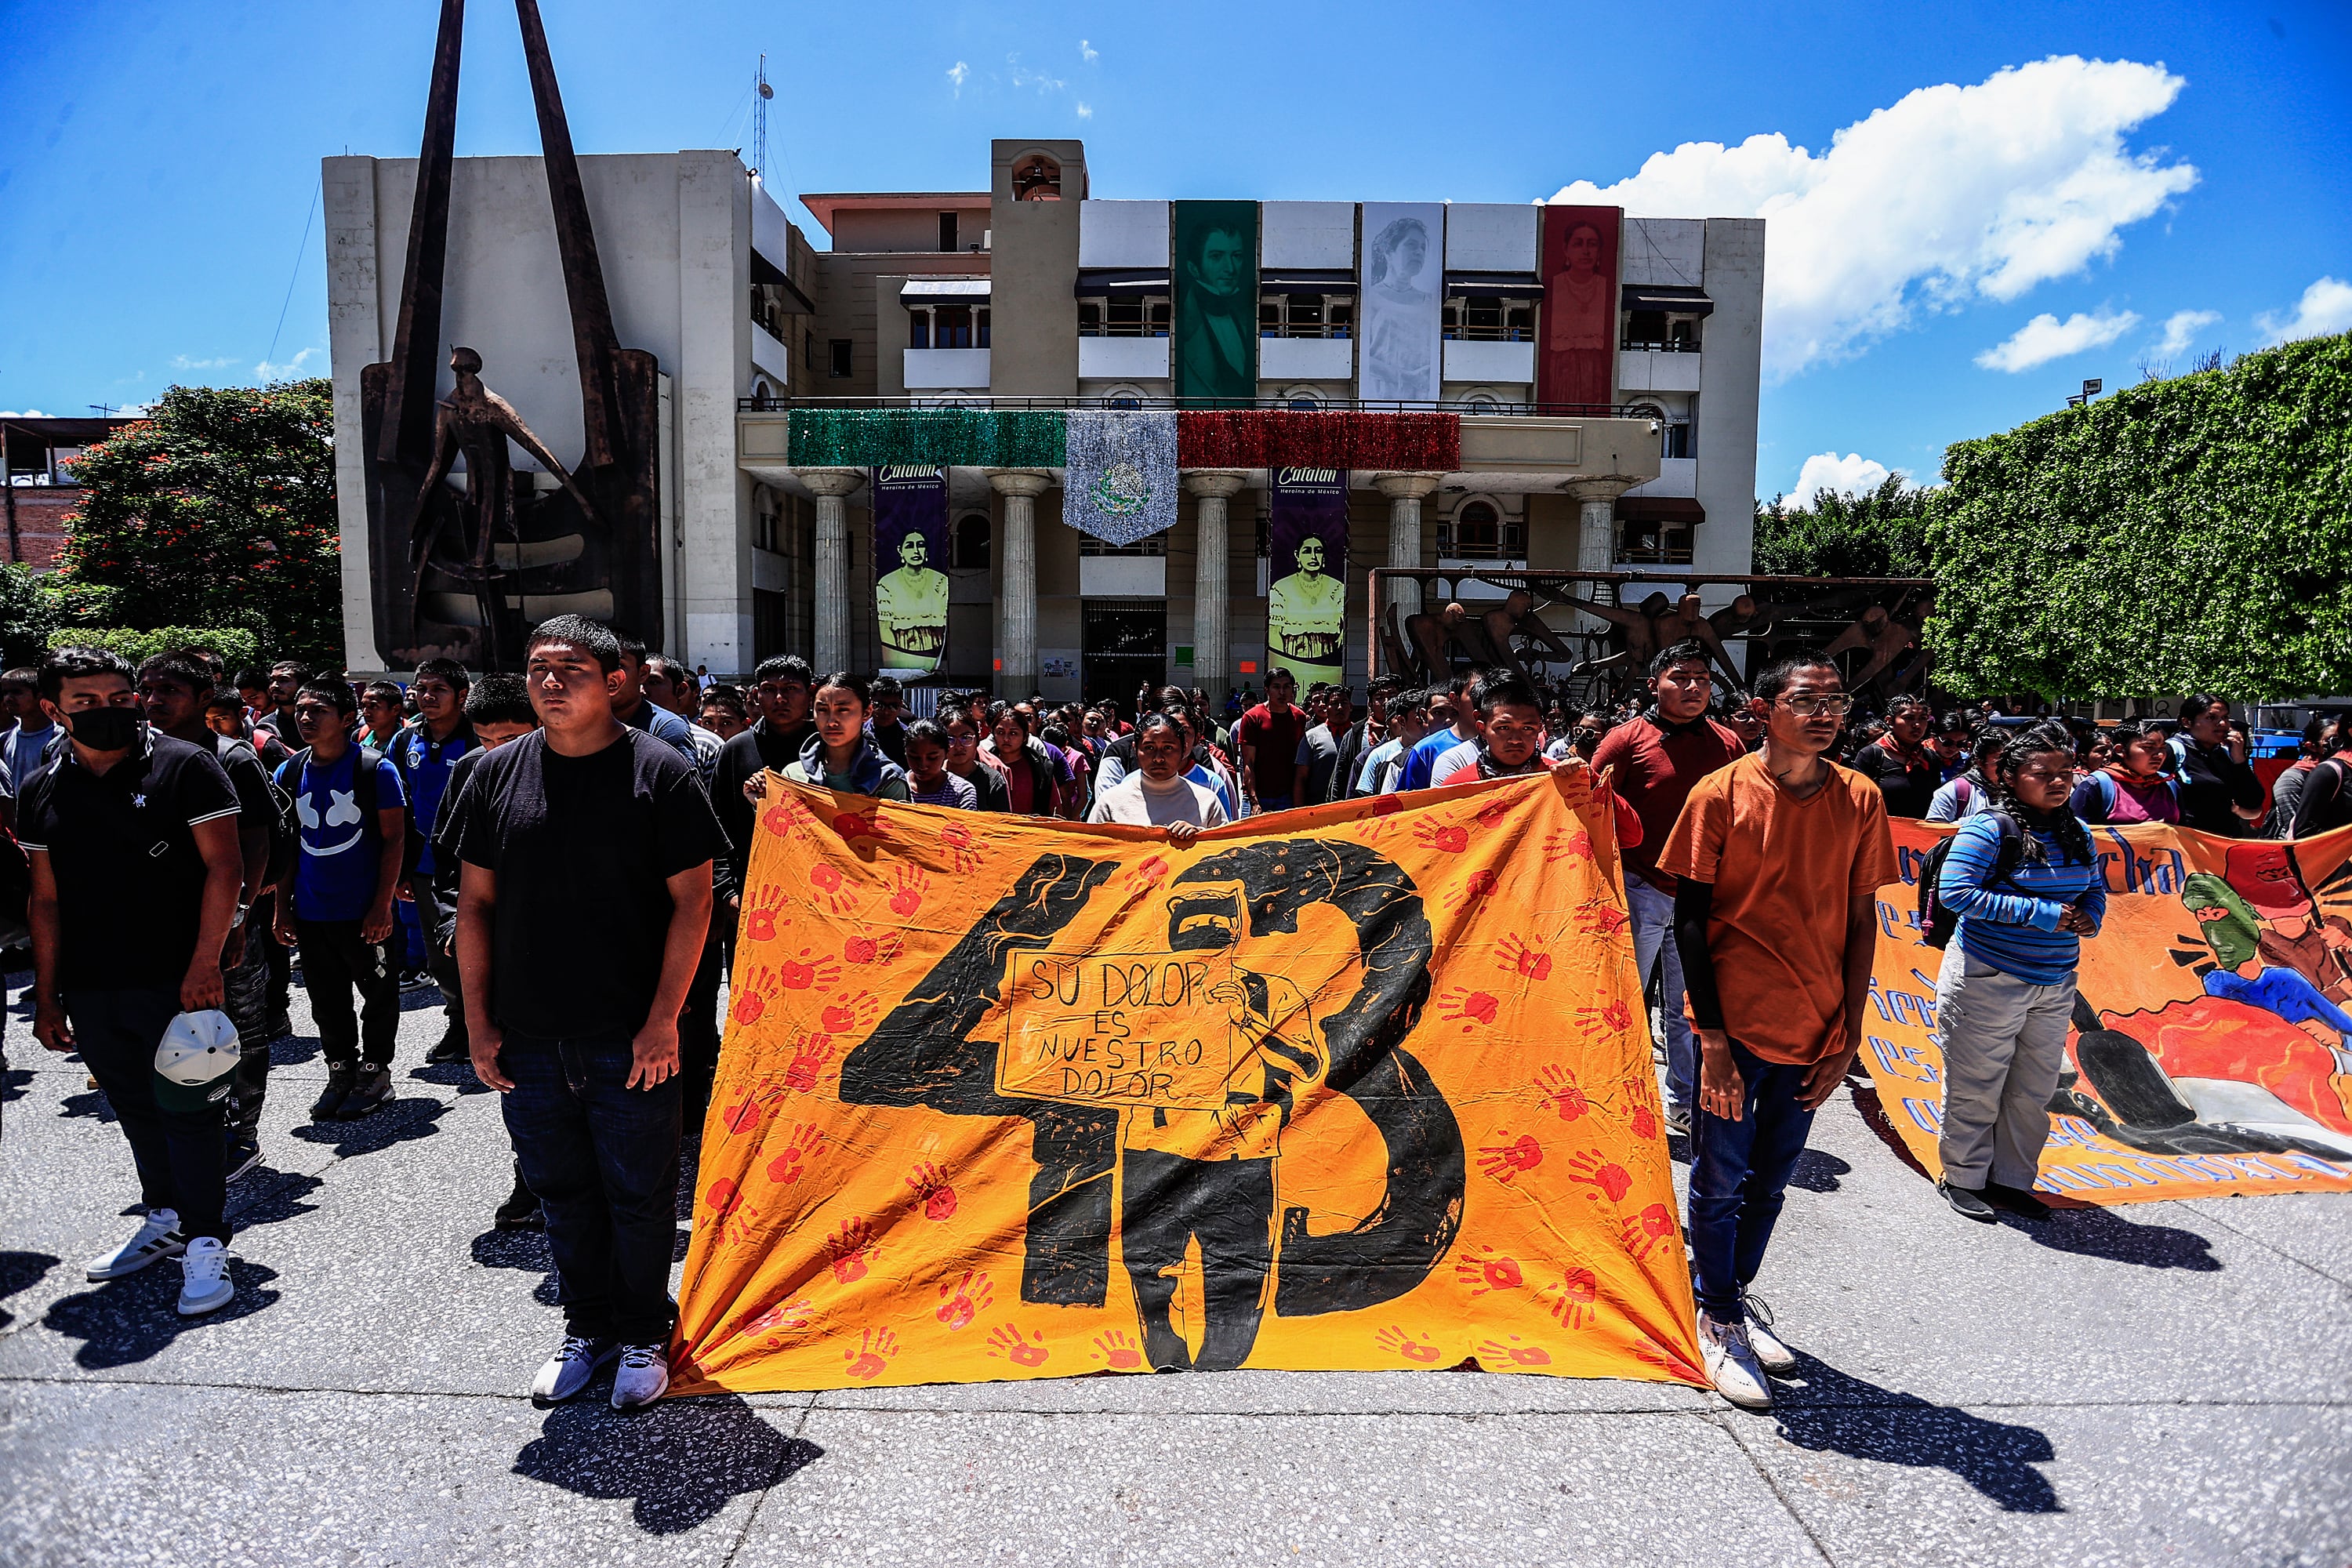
<point>847,1013</point>
<point>1561,1093</point>
<point>931,1191</point>
<point>809,972</point>
<point>1601,918</point>
<point>785,1317</point>
<point>1615,1018</point>
<point>1491,815</point>
<point>1005,1339</point>
<point>874,1349</point>
<point>1514,956</point>
<point>1475,886</point>
<point>798,1149</point>
<point>1412,1347</point>
<point>908,888</point>
<point>858,823</point>
<point>1148,872</point>
<point>1588,1168</point>
<point>963,846</point>
<point>1566,843</point>
<point>786,817</point>
<point>883,950</point>
<point>760,988</point>
<point>851,1246</point>
<point>1466,1007</point>
<point>961,1300</point>
<point>808,1061</point>
<point>1117,1349</point>
<point>828,887</point>
<point>1504,1160</point>
<point>1517,1351</point>
<point>725,1210</point>
<point>1646,1230</point>
<point>743,1115</point>
<point>1577,1289</point>
<point>761,915</point>
<point>1487,1270</point>
<point>1446,838</point>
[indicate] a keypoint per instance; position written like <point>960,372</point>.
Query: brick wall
<point>40,532</point>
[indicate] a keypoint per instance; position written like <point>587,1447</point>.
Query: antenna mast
<point>760,93</point>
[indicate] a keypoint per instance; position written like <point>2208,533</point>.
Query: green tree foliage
<point>2184,535</point>
<point>235,647</point>
<point>26,613</point>
<point>1871,533</point>
<point>218,511</point>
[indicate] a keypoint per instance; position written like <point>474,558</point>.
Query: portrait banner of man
<point>1577,341</point>
<point>1361,1086</point>
<point>910,543</point>
<point>1217,302</point>
<point>1400,285</point>
<point>1307,603</point>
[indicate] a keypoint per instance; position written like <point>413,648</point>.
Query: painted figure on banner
<point>1579,306</point>
<point>1401,327</point>
<point>910,594</point>
<point>1307,607</point>
<point>1216,301</point>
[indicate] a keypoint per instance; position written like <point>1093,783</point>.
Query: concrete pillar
<point>1017,626</point>
<point>1213,668</point>
<point>832,488</point>
<point>1596,534</point>
<point>1404,492</point>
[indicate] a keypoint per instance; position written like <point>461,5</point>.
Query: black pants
<point>280,960</point>
<point>245,998</point>
<point>697,1029</point>
<point>336,962</point>
<point>178,1154</point>
<point>602,1158</point>
<point>1229,1205</point>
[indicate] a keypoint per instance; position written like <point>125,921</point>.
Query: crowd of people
<point>188,832</point>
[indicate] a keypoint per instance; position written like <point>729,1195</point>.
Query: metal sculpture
<point>589,544</point>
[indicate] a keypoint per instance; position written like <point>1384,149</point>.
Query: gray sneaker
<point>158,1236</point>
<point>642,1377</point>
<point>1770,1354</point>
<point>1731,1363</point>
<point>204,1284</point>
<point>567,1372</point>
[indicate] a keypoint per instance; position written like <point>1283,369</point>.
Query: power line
<point>299,251</point>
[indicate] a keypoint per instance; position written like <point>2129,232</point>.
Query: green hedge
<point>234,646</point>
<point>2184,535</point>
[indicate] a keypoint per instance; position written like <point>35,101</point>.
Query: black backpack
<point>285,828</point>
<point>411,847</point>
<point>1936,920</point>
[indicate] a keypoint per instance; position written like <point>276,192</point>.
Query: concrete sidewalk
<point>2161,1382</point>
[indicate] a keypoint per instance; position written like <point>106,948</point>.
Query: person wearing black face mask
<point>132,839</point>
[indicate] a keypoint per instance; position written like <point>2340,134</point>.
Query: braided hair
<point>2049,736</point>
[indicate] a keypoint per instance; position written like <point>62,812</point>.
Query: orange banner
<point>1362,1086</point>
<point>2209,1053</point>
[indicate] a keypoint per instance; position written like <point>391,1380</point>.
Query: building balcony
<point>940,369</point>
<point>1511,364</point>
<point>1121,359</point>
<point>770,357</point>
<point>1657,370</point>
<point>1677,478</point>
<point>1305,358</point>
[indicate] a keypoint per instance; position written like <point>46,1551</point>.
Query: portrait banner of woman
<point>1401,288</point>
<point>1215,278</point>
<point>1577,343</point>
<point>1306,604</point>
<point>910,543</point>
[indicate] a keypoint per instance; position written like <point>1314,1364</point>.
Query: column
<point>1017,626</point>
<point>1596,536</point>
<point>1213,572</point>
<point>832,488</point>
<point>1404,492</point>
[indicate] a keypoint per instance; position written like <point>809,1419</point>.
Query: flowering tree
<point>219,509</point>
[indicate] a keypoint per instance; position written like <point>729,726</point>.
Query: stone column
<point>832,488</point>
<point>1017,627</point>
<point>1596,534</point>
<point>1404,492</point>
<point>1213,668</point>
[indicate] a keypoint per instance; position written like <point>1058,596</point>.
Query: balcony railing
<point>1307,330</point>
<point>1489,334</point>
<point>780,402</point>
<point>1659,345</point>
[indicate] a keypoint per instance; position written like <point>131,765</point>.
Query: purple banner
<point>1307,599</point>
<point>910,546</point>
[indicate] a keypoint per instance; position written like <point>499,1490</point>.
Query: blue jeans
<point>1740,1175</point>
<point>1654,934</point>
<point>602,1158</point>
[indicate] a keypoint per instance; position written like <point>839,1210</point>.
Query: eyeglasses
<point>1806,707</point>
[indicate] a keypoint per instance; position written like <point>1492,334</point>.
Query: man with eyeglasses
<point>1779,859</point>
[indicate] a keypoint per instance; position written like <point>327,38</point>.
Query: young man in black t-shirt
<point>132,838</point>
<point>584,894</point>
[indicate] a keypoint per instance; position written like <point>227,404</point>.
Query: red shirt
<point>1276,736</point>
<point>1656,768</point>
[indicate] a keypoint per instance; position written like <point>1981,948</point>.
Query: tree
<point>1871,533</point>
<point>27,614</point>
<point>217,510</point>
<point>2185,535</point>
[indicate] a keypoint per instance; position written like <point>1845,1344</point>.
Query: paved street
<point>2160,1384</point>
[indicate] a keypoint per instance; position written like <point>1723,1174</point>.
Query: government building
<point>1017,437</point>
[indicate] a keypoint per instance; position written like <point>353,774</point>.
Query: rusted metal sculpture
<point>591,544</point>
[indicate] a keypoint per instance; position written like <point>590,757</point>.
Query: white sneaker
<point>1731,1363</point>
<point>159,1236</point>
<point>644,1376</point>
<point>1770,1354</point>
<point>204,1278</point>
<point>567,1372</point>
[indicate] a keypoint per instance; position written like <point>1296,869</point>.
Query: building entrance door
<point>1125,643</point>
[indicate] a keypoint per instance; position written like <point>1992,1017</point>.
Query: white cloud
<point>22,414</point>
<point>1085,110</point>
<point>2046,338</point>
<point>1849,474</point>
<point>2325,307</point>
<point>958,73</point>
<point>1953,192</point>
<point>181,362</point>
<point>1087,52</point>
<point>1023,77</point>
<point>2181,330</point>
<point>266,371</point>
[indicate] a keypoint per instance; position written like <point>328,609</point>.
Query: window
<point>1480,532</point>
<point>763,519</point>
<point>1677,440</point>
<point>947,231</point>
<point>1660,332</point>
<point>947,327</point>
<point>1305,316</point>
<point>968,547</point>
<point>1142,316</point>
<point>837,358</point>
<point>1652,542</point>
<point>1494,320</point>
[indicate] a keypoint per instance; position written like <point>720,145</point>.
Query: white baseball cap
<point>192,1064</point>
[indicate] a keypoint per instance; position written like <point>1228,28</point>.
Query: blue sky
<point>159,163</point>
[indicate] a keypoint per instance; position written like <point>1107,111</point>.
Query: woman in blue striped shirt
<point>2006,994</point>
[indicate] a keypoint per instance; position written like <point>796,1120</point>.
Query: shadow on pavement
<point>13,1084</point>
<point>2091,1232</point>
<point>1818,1173</point>
<point>682,1460</point>
<point>396,1121</point>
<point>21,1271</point>
<point>458,1075</point>
<point>524,1249</point>
<point>1829,1412</point>
<point>268,1197</point>
<point>293,1050</point>
<point>131,1320</point>
<point>91,1103</point>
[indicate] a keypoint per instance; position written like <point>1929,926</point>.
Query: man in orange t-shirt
<point>1778,858</point>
